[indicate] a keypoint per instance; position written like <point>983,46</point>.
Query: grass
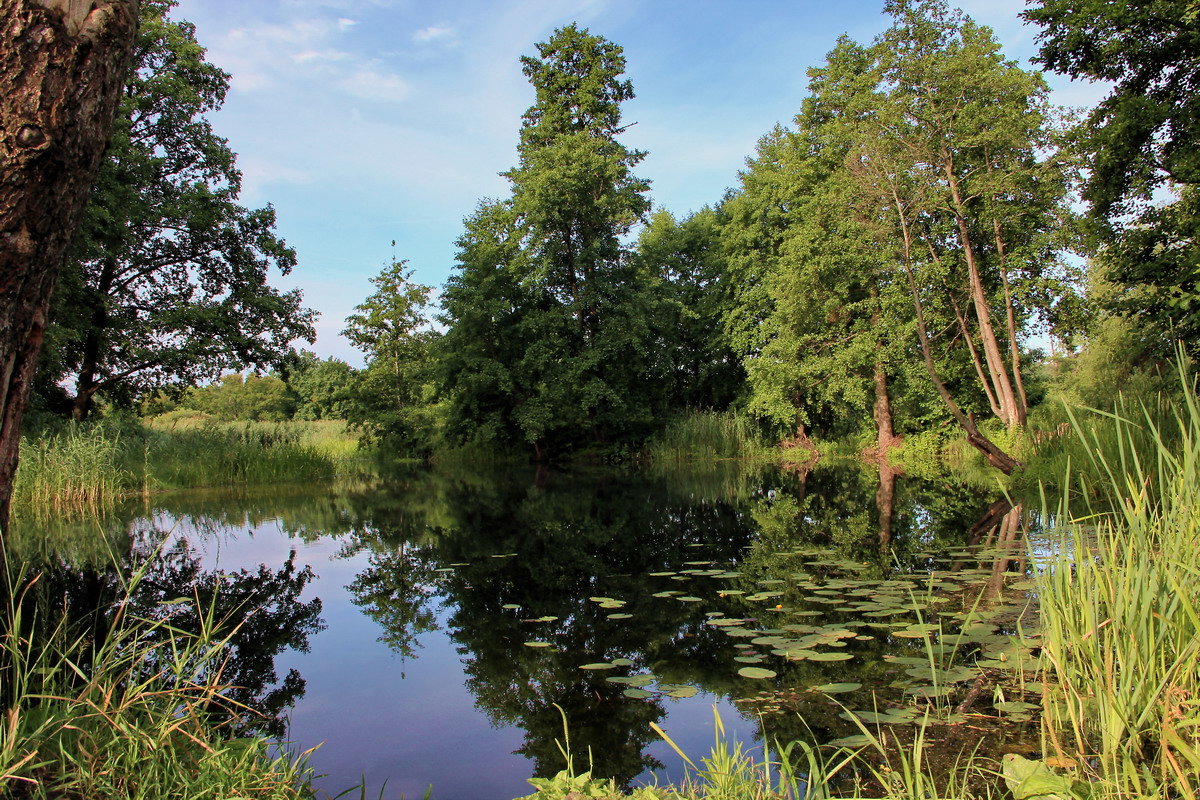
<point>139,713</point>
<point>1120,611</point>
<point>709,435</point>
<point>86,468</point>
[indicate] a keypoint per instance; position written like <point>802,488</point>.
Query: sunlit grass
<point>83,469</point>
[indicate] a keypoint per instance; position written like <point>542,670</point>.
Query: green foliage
<point>251,397</point>
<point>392,399</point>
<point>87,467</point>
<point>320,386</point>
<point>141,712</point>
<point>1120,610</point>
<point>168,278</point>
<point>1139,144</point>
<point>706,435</point>
<point>693,364</point>
<point>548,340</point>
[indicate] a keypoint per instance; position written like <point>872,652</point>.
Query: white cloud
<point>434,33</point>
<point>371,84</point>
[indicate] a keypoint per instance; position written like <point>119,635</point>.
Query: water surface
<point>432,627</point>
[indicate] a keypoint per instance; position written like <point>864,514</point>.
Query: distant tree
<point>393,397</point>
<point>1140,145</point>
<point>484,307</point>
<point>250,397</point>
<point>61,70</point>
<point>168,279</point>
<point>320,386</point>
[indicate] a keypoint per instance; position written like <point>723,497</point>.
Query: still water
<point>432,627</point>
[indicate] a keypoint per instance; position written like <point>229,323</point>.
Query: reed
<point>141,713</point>
<point>706,435</point>
<point>84,469</point>
<point>1120,610</point>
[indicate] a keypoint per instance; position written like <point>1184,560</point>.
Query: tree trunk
<point>886,432</point>
<point>994,455</point>
<point>61,70</point>
<point>1013,415</point>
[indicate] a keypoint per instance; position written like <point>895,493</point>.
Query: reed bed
<point>84,469</point>
<point>1120,612</point>
<point>706,435</point>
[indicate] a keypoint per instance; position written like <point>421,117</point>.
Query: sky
<point>365,122</point>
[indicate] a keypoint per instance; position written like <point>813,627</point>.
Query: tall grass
<point>705,435</point>
<point>140,713</point>
<point>1120,610</point>
<point>86,468</point>
<point>72,468</point>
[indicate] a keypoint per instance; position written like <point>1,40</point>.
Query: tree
<point>320,386</point>
<point>1139,144</point>
<point>249,397</point>
<point>576,372</point>
<point>168,279</point>
<point>392,398</point>
<point>951,140</point>
<point>693,364</point>
<point>61,71</point>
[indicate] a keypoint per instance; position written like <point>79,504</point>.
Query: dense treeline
<point>894,262</point>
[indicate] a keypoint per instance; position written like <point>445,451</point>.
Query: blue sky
<point>368,121</point>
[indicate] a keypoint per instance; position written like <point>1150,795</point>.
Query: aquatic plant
<point>138,711</point>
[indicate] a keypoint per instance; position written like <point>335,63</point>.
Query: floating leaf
<point>598,665</point>
<point>637,694</point>
<point>756,672</point>
<point>631,680</point>
<point>510,606</point>
<point>837,688</point>
<point>683,691</point>
<point>537,644</point>
<point>829,656</point>
<point>619,616</point>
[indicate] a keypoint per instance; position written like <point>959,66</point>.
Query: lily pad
<point>537,644</point>
<point>837,688</point>
<point>683,691</point>
<point>756,672</point>
<point>599,665</point>
<point>637,694</point>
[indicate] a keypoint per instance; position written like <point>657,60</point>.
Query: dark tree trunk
<point>62,65</point>
<point>885,431</point>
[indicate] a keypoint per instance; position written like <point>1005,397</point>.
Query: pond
<point>434,626</point>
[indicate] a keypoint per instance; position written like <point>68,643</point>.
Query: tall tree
<point>578,370</point>
<point>169,277</point>
<point>61,70</point>
<point>1140,144</point>
<point>953,141</point>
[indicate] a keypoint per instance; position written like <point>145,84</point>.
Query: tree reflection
<point>258,612</point>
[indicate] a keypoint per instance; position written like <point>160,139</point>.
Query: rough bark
<point>885,430</point>
<point>62,65</point>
